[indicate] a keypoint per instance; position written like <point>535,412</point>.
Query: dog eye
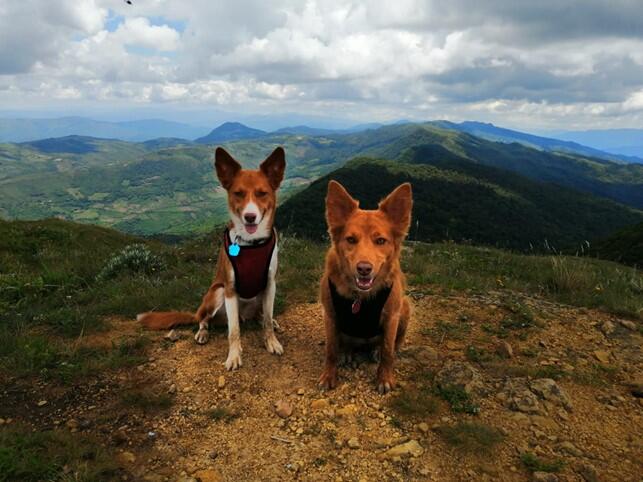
<point>380,241</point>
<point>261,193</point>
<point>239,193</point>
<point>351,240</point>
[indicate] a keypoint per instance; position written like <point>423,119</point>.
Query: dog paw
<point>273,346</point>
<point>385,382</point>
<point>201,337</point>
<point>234,360</point>
<point>328,379</point>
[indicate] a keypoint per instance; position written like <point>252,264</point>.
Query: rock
<point>208,475</point>
<point>126,458</point>
<point>544,477</point>
<point>187,389</point>
<point>72,423</point>
<point>545,423</point>
<point>283,409</point>
<point>548,389</point>
<point>301,391</point>
<point>520,398</point>
<point>319,404</point>
<point>607,327</point>
<point>587,472</point>
<point>636,387</point>
<point>172,389</point>
<point>504,349</point>
<point>462,375</point>
<point>570,449</point>
<point>173,336</point>
<point>221,381</point>
<point>426,354</point>
<point>347,410</point>
<point>411,448</point>
<point>423,427</point>
<point>42,403</point>
<point>602,356</point>
<point>353,443</point>
<point>630,325</point>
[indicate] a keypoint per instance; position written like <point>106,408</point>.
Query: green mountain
<point>624,246</point>
<point>456,199</point>
<point>167,185</point>
<point>229,131</point>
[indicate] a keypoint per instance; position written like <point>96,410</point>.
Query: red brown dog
<point>362,290</point>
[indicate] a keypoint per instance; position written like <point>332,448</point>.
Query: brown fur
<point>373,236</point>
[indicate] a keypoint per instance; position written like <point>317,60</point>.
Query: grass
<point>471,437</point>
<point>536,464</point>
<point>53,455</point>
<point>414,403</point>
<point>458,399</point>
<point>222,414</point>
<point>595,375</point>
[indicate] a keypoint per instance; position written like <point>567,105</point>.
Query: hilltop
<point>230,131</point>
<point>549,348</point>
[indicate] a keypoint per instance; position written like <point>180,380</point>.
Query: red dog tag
<point>355,307</point>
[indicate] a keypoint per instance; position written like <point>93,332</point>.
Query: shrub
<point>135,258</point>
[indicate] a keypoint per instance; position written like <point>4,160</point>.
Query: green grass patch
<point>458,399</point>
<point>414,402</point>
<point>478,355</point>
<point>53,455</point>
<point>471,437</point>
<point>537,464</point>
<point>595,375</point>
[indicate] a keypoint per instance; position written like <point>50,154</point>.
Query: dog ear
<point>339,205</point>
<point>226,167</point>
<point>397,208</point>
<point>274,166</point>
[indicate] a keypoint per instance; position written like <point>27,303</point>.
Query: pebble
<point>411,448</point>
<point>571,449</point>
<point>42,403</point>
<point>208,475</point>
<point>602,356</point>
<point>221,381</point>
<point>347,410</point>
<point>172,389</point>
<point>283,409</point>
<point>588,472</point>
<point>504,349</point>
<point>607,327</point>
<point>173,336</point>
<point>301,391</point>
<point>187,389</point>
<point>630,325</point>
<point>544,477</point>
<point>126,457</point>
<point>319,404</point>
<point>353,443</point>
<point>423,427</point>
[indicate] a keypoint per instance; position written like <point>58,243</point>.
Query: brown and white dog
<point>244,282</point>
<point>362,290</point>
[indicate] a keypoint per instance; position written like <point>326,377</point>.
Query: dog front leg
<point>385,373</point>
<point>272,344</point>
<point>234,334</point>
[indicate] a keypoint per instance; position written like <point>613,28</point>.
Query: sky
<point>535,65</point>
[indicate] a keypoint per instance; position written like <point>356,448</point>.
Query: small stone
<point>320,404</point>
<point>2,421</point>
<point>126,457</point>
<point>353,443</point>
<point>187,389</point>
<point>221,381</point>
<point>587,472</point>
<point>630,325</point>
<point>544,477</point>
<point>71,423</point>
<point>571,449</point>
<point>301,391</point>
<point>607,327</point>
<point>636,387</point>
<point>504,349</point>
<point>213,455</point>
<point>173,336</point>
<point>283,409</point>
<point>411,448</point>
<point>602,356</point>
<point>423,427</point>
<point>548,389</point>
<point>172,389</point>
<point>347,410</point>
<point>42,403</point>
<point>208,475</point>
<point>461,375</point>
<point>152,435</point>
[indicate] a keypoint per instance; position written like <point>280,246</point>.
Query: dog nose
<point>250,218</point>
<point>364,268</point>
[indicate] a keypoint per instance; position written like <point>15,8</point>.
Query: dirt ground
<point>223,425</point>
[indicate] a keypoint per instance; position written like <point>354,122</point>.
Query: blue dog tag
<point>234,249</point>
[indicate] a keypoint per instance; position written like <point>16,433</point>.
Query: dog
<point>244,281</point>
<point>362,289</point>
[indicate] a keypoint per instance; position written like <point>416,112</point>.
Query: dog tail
<point>164,320</point>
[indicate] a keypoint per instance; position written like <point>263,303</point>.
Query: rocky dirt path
<point>220,425</point>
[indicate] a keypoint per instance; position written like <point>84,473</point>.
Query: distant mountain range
<point>625,142</point>
<point>230,131</point>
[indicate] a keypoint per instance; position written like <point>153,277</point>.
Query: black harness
<point>359,318</point>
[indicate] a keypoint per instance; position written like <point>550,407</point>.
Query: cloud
<point>540,63</point>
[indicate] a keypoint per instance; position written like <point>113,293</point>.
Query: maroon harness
<point>251,265</point>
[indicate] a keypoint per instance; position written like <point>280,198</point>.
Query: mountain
<point>624,246</point>
<point>456,199</point>
<point>22,130</point>
<point>229,131</point>
<point>499,134</point>
<point>304,130</point>
<point>625,142</point>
